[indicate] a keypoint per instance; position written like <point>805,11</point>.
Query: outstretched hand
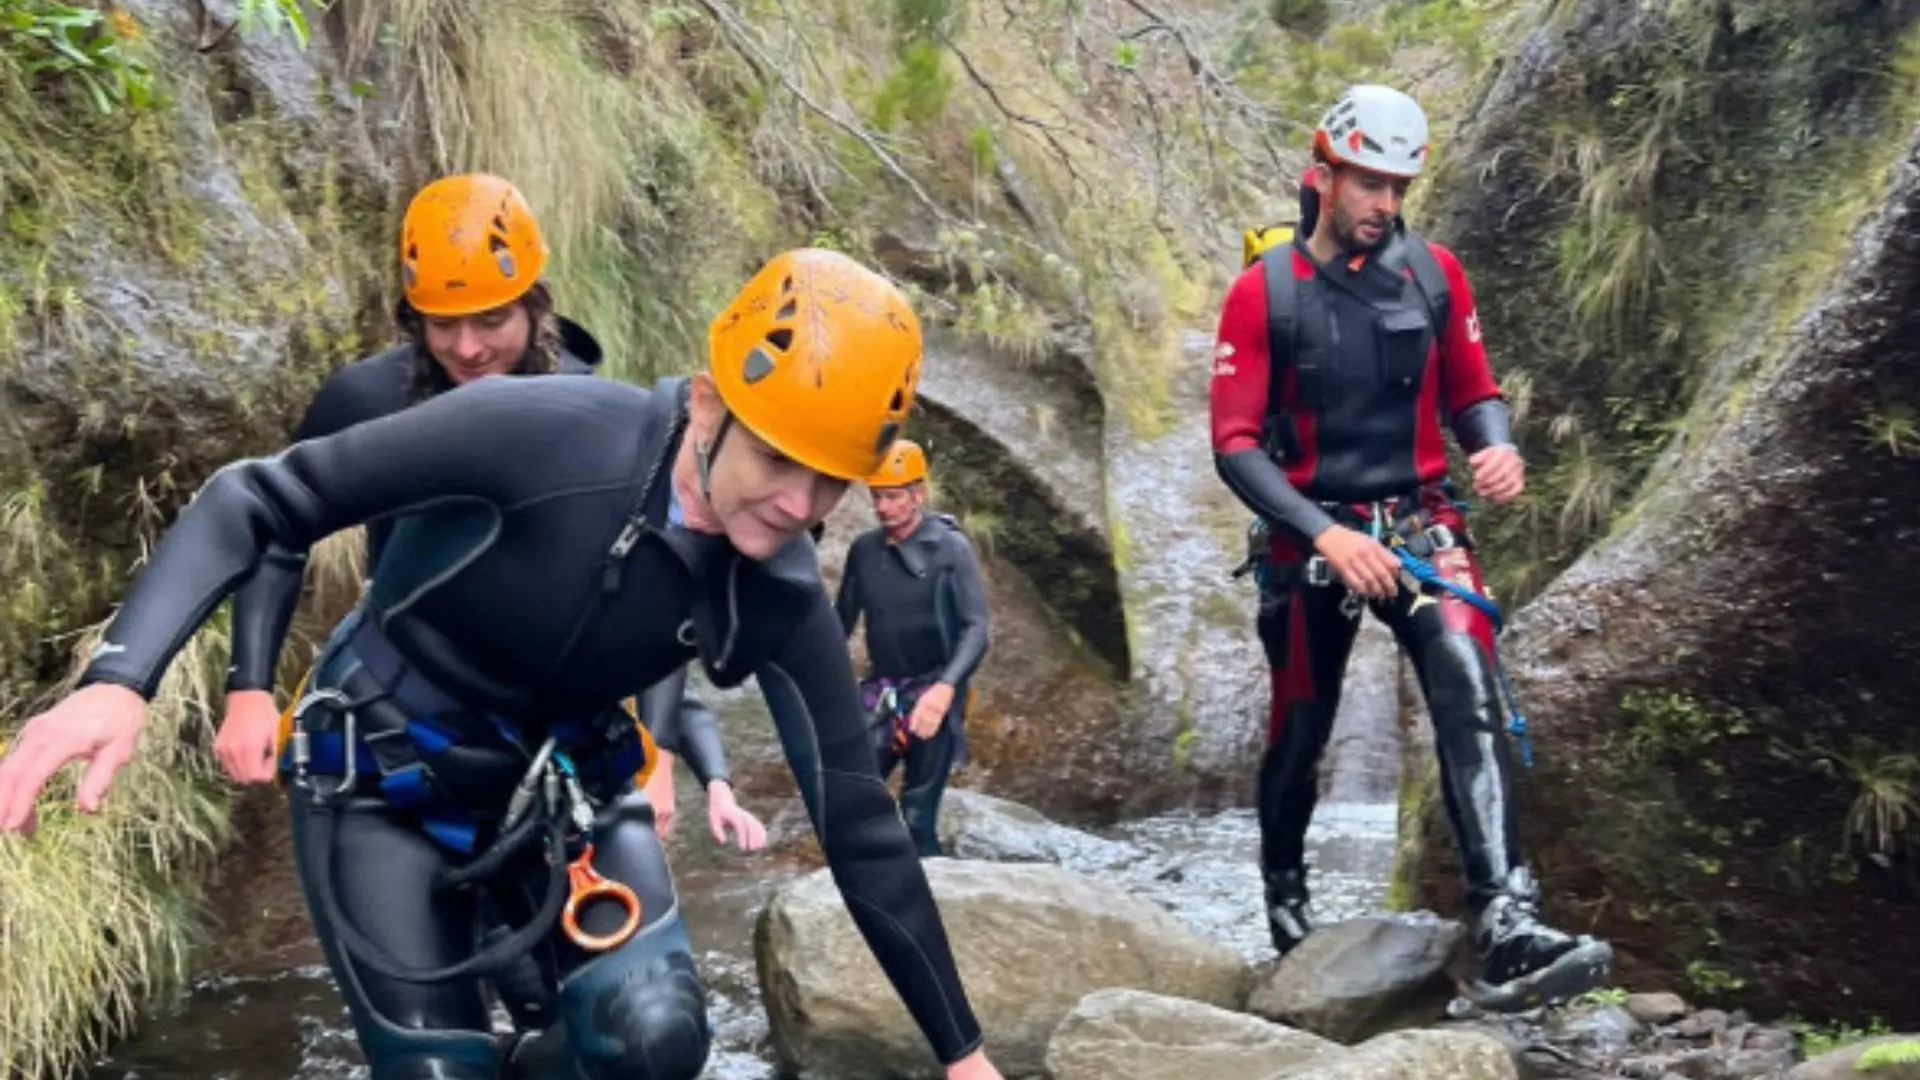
<point>99,724</point>
<point>725,815</point>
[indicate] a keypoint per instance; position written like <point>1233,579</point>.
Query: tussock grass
<point>92,923</point>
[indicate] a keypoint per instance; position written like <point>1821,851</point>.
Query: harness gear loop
<point>585,885</point>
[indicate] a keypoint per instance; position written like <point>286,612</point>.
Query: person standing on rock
<point>499,320</point>
<point>917,581</point>
<point>565,542</point>
<point>1339,357</point>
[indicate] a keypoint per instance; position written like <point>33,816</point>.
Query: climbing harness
<point>1416,571</point>
<point>547,805</point>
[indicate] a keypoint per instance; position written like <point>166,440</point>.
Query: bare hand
<point>930,710</point>
<point>99,724</point>
<point>974,1066</point>
<point>249,737</point>
<point>1363,563</point>
<point>660,795</point>
<point>724,814</point>
<point>1499,474</point>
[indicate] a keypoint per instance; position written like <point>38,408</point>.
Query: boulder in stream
<point>1364,976</point>
<point>1032,940</point>
<point>1132,1035</point>
<point>1412,1055</point>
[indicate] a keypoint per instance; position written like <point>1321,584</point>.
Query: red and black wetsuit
<point>1364,389</point>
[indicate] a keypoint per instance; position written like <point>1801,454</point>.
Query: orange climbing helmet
<point>820,357</point>
<point>469,244</point>
<point>905,464</point>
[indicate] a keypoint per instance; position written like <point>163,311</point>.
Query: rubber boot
<point>1289,912</point>
<point>1524,963</point>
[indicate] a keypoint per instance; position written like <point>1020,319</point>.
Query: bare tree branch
<point>1045,129</point>
<point>742,37</point>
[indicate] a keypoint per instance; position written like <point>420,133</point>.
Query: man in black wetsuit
<point>918,583</point>
<point>461,731</point>
<point>499,321</point>
<point>1340,356</point>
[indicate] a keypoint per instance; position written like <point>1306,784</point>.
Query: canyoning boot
<point>1289,914</point>
<point>1524,963</point>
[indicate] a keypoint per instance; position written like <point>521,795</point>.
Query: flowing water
<point>290,1025</point>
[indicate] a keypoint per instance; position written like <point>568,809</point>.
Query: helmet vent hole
<point>758,366</point>
<point>788,310</point>
<point>782,339</point>
<point>786,285</point>
<point>899,401</point>
<point>889,431</point>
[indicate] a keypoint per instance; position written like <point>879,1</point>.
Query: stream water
<point>290,1025</point>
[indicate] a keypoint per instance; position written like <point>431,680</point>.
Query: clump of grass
<point>93,921</point>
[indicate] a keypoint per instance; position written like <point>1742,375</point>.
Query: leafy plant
<point>58,42</point>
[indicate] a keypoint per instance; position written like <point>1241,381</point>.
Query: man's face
<point>897,506</point>
<point>1361,204</point>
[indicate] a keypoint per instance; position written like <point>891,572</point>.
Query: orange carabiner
<point>585,885</point>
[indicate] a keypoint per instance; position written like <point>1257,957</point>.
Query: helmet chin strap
<point>704,452</point>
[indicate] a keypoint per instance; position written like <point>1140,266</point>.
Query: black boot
<point>1524,963</point>
<point>1289,915</point>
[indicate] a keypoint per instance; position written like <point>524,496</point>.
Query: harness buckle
<point>1318,572</point>
<point>1441,537</point>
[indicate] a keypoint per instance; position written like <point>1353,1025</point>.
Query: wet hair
<point>541,358</point>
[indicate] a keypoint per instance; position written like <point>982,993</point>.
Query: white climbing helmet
<point>1376,128</point>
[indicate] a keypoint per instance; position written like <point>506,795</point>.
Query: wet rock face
<point>220,271</point>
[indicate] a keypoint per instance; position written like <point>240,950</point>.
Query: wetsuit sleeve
<point>467,446</point>
<point>970,612</point>
<point>811,695</point>
<point>1237,396</point>
<point>847,604</point>
<point>682,723</point>
<point>1472,397</point>
<point>263,607</point>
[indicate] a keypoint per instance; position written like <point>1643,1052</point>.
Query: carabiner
<point>302,750</point>
<point>585,885</point>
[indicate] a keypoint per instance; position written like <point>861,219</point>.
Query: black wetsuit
<point>541,588</point>
<point>381,385</point>
<point>926,611</point>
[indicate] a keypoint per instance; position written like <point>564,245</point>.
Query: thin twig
<point>1045,129</point>
<point>741,39</point>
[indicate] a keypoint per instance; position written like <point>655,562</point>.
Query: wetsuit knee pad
<point>639,1013</point>
<point>1460,685</point>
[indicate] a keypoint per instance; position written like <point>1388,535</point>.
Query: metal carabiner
<point>584,886</point>
<point>303,750</point>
